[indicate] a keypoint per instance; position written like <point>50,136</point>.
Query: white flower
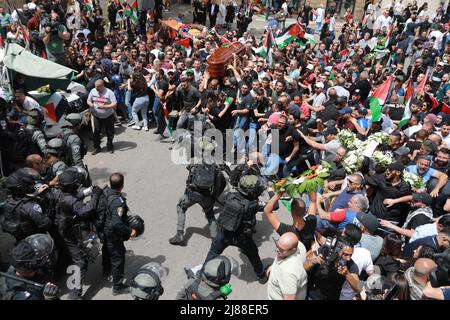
<point>299,180</point>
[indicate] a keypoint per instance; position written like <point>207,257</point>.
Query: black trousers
<point>79,259</point>
<point>245,243</point>
<point>108,124</point>
<point>116,252</point>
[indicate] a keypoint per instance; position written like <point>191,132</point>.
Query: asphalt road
<point>153,185</point>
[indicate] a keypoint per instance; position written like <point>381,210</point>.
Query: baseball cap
<point>398,166</point>
<point>310,67</point>
<point>362,111</point>
<point>423,197</point>
<point>330,130</point>
<point>369,221</point>
<point>171,71</point>
<point>330,123</point>
<point>189,71</point>
<point>183,79</point>
<point>357,92</point>
<point>345,110</point>
<point>294,109</point>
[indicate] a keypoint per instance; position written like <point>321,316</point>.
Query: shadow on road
<point>124,145</point>
<point>204,232</point>
<point>247,273</point>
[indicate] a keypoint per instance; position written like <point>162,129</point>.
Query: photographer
<point>54,37</point>
<point>329,268</point>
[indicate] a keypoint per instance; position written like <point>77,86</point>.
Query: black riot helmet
<point>33,253</point>
<point>251,186</point>
<point>80,172</point>
<point>74,119</point>
<point>137,223</point>
<point>19,183</point>
<point>146,284</point>
<point>69,180</point>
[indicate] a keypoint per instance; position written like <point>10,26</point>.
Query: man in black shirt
<point>257,109</point>
<point>303,227</point>
<point>327,277</point>
<point>389,186</point>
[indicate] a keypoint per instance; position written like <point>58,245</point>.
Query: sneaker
<point>177,239</point>
<point>264,277</point>
<point>131,123</point>
<point>136,127</point>
<point>146,128</point>
<point>120,289</point>
<point>111,150</point>
<point>95,152</point>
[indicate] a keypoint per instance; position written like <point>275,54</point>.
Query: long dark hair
<point>392,246</point>
<point>399,280</point>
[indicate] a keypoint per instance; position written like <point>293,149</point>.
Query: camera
<point>330,253</point>
<point>441,276</point>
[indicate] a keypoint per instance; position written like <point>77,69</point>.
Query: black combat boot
<point>177,239</point>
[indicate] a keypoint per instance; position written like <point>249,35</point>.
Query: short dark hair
<point>20,90</point>
<point>445,221</point>
<point>353,232</point>
<point>116,181</point>
<point>298,207</point>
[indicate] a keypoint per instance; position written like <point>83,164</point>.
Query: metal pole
<point>13,277</point>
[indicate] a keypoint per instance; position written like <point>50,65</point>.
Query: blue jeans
<point>140,104</point>
<point>238,135</point>
<point>318,27</point>
<point>273,166</point>
<point>252,144</point>
<point>128,104</point>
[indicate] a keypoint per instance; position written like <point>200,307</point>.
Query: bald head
<point>356,178</point>
<point>99,85</point>
<point>424,266</point>
<point>288,241</point>
<point>34,161</point>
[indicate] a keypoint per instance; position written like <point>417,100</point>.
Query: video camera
<point>441,275</point>
<point>330,252</point>
<point>46,21</point>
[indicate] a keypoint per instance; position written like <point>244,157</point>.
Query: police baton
<point>29,282</point>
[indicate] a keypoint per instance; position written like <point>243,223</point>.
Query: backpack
<point>203,177</point>
<point>192,292</point>
<point>12,224</point>
<point>102,217</point>
<point>241,170</point>
<point>234,210</point>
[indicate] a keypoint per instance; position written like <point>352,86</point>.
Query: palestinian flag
<point>84,50</point>
<point>186,43</point>
<point>307,39</point>
<point>167,118</point>
<point>287,204</point>
<point>53,107</point>
<point>26,37</point>
<point>378,97</point>
<point>88,5</point>
<point>432,100</point>
<point>266,50</point>
<point>289,34</point>
<point>224,41</point>
<point>421,86</point>
<point>445,108</point>
<point>344,52</point>
<point>128,11</point>
<point>408,98</point>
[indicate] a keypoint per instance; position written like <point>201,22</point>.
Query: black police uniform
<point>116,232</point>
<point>24,217</point>
<point>16,290</point>
<point>71,210</point>
<point>242,238</point>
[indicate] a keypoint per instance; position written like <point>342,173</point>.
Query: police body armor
<point>15,290</point>
<point>193,292</point>
<point>14,222</point>
<point>108,231</point>
<point>70,138</point>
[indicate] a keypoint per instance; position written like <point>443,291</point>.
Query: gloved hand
<point>51,291</point>
<point>96,191</point>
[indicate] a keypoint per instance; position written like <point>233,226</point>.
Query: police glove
<point>96,191</point>
<point>51,291</point>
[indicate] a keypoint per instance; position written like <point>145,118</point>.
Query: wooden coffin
<point>222,57</point>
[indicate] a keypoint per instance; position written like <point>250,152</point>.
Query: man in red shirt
<point>35,21</point>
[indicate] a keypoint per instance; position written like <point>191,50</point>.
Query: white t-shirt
<point>320,14</point>
<point>288,276</point>
<point>103,98</point>
<point>425,230</point>
<point>284,7</point>
<point>398,8</point>
<point>382,21</point>
<point>411,130</point>
<point>439,35</point>
<point>361,257</point>
<point>30,104</point>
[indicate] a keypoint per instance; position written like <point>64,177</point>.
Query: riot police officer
<point>23,214</point>
<point>71,212</point>
<point>204,184</point>
<point>211,282</point>
<point>54,162</point>
<point>28,258</point>
<point>76,149</point>
<point>237,221</point>
<point>35,132</point>
<point>116,231</point>
<point>146,284</point>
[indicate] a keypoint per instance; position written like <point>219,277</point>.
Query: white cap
<point>319,85</point>
<point>310,67</point>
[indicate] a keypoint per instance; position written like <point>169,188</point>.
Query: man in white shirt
<point>320,15</point>
<point>27,103</point>
<point>438,35</point>
<point>288,278</point>
<point>383,21</point>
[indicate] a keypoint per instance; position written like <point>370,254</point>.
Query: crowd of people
<point>377,229</point>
